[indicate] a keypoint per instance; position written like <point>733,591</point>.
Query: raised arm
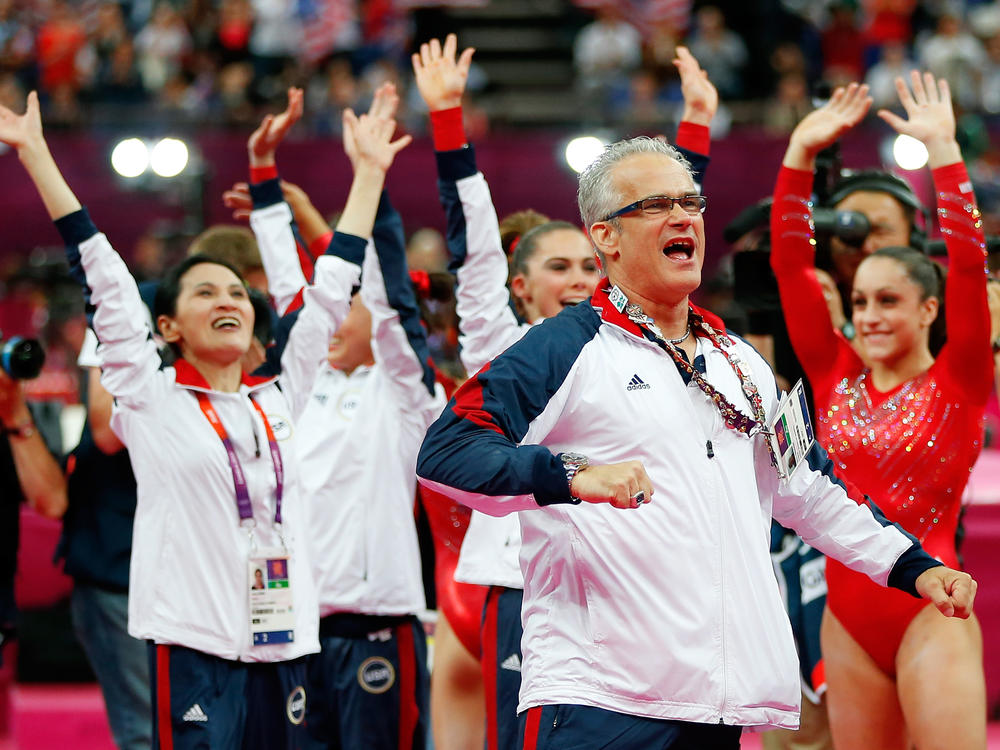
<point>930,119</point>
<point>701,101</point>
<point>399,341</point>
<point>368,143</point>
<point>119,318</point>
<point>272,219</point>
<point>807,316</point>
<point>487,324</point>
<point>23,133</point>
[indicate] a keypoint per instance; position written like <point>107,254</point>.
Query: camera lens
<point>21,359</point>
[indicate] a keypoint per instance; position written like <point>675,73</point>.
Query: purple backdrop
<point>524,171</point>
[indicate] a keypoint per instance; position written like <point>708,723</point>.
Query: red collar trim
<point>188,377</point>
<point>610,313</point>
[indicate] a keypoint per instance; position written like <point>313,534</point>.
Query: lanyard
<point>243,504</point>
<point>733,418</point>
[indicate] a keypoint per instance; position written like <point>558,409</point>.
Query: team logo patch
<point>281,427</point>
<point>376,675</point>
<point>295,706</point>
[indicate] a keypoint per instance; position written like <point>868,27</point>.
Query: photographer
<point>39,477</point>
<point>28,471</point>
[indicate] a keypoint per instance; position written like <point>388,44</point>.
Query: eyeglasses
<point>658,204</point>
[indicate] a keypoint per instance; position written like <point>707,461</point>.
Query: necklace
<point>683,338</point>
<point>733,417</point>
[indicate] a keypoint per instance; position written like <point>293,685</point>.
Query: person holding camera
<point>901,424</point>
<point>39,475</point>
<point>30,473</point>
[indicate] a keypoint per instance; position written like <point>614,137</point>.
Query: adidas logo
<point>195,714</point>
<point>513,662</point>
<point>636,384</point>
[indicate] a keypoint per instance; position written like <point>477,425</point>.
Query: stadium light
<point>130,157</point>
<point>909,153</point>
<point>582,151</point>
<point>168,157</point>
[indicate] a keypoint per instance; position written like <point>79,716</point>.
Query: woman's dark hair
<point>930,277</point>
<point>528,244</point>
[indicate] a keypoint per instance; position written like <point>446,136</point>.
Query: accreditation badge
<point>791,433</point>
<point>272,616</point>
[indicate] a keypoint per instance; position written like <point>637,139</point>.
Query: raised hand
<point>271,132</point>
<point>930,117</point>
<point>821,127</point>
<point>24,134</point>
<point>238,200</point>
<point>371,140</point>
<point>308,218</point>
<point>440,77</point>
<point>701,100</point>
<point>18,131</point>
<point>384,105</point>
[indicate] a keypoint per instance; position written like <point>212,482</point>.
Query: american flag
<point>327,25</point>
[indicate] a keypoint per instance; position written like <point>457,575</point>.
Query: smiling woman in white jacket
<point>219,496</point>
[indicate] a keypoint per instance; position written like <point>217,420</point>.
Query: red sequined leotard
<point>911,449</point>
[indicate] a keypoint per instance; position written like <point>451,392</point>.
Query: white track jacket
<point>189,578</point>
<point>360,432</point>
<point>668,611</point>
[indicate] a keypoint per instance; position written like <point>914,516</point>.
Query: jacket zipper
<point>710,455</point>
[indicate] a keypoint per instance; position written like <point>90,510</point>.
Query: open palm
<point>928,108</point>
<point>20,130</point>
<point>440,77</point>
<point>821,127</point>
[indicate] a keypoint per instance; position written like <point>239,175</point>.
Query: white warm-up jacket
<point>360,432</point>
<point>189,578</point>
<point>670,610</point>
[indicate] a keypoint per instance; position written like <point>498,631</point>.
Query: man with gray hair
<point>661,628</point>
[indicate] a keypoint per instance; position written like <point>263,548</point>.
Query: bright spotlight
<point>909,153</point>
<point>580,152</point>
<point>169,157</point>
<point>130,157</point>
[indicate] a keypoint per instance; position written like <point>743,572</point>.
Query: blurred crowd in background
<point>223,61</point>
<point>205,64</point>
